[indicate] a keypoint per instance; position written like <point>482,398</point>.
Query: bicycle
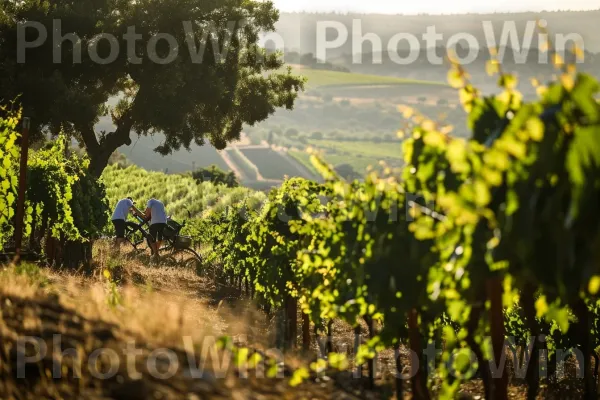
<point>178,247</point>
<point>137,236</point>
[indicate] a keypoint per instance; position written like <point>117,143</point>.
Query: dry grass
<point>160,307</point>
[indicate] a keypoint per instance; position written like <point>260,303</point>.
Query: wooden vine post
<point>291,321</point>
<point>357,341</point>
<point>371,361</point>
<point>419,383</point>
<point>399,380</point>
<point>494,292</point>
<point>22,188</point>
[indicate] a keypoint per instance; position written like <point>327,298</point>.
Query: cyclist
<point>124,206</point>
<point>156,214</point>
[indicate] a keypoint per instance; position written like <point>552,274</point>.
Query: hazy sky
<point>433,6</point>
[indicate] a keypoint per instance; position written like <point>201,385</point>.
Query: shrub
<point>216,176</point>
<point>291,133</point>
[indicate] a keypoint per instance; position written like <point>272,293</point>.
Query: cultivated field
<point>272,164</point>
<point>179,193</point>
<point>368,149</point>
<point>323,78</point>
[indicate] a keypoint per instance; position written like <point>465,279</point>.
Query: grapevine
<point>492,204</point>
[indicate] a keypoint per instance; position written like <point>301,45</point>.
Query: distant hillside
<point>141,152</point>
<point>328,79</point>
<point>347,101</point>
<point>423,69</point>
<point>299,30</point>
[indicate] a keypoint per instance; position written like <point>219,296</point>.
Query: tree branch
<point>120,136</point>
<point>89,139</point>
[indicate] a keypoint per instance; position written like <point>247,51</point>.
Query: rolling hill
<point>299,30</point>
<point>318,78</point>
<point>271,164</point>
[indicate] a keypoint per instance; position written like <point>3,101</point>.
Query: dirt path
<point>232,165</point>
<point>264,145</point>
<point>259,177</point>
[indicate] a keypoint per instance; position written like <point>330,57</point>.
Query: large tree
<point>203,84</point>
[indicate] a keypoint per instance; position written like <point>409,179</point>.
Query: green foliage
<point>61,196</point>
<point>517,203</point>
<point>89,205</point>
<point>316,135</point>
<point>216,176</point>
<point>205,94</point>
<point>347,172</point>
<point>66,198</point>
<point>9,170</point>
<point>182,195</point>
<point>274,241</point>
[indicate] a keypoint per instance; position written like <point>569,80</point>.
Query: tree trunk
<point>32,238</point>
<point>330,336</point>
<point>50,246</point>
<point>291,318</point>
<point>99,160</point>
<point>100,151</point>
<point>484,369</point>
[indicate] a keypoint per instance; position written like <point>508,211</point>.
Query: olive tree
<point>190,69</point>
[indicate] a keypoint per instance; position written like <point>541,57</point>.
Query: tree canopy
<point>202,83</point>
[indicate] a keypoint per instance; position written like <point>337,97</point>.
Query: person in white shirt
<point>156,213</point>
<point>119,218</point>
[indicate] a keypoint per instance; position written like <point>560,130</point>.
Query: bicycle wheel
<point>137,237</point>
<point>187,258</point>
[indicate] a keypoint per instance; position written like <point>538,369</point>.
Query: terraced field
<point>247,170</point>
<point>271,164</point>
